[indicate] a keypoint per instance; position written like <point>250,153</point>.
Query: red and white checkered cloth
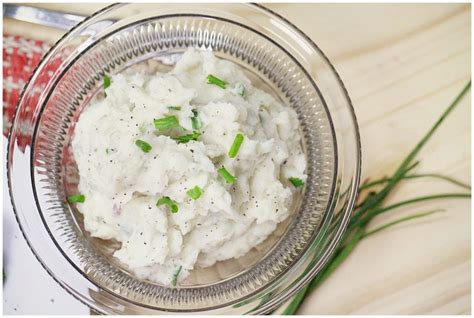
<point>20,58</point>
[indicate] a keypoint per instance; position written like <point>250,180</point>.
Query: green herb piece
<point>187,138</point>
<point>176,108</point>
<point>195,120</point>
<point>241,90</point>
<point>174,281</point>
<point>415,176</point>
<point>211,79</point>
<point>371,206</point>
<point>401,220</point>
<point>107,151</point>
<point>195,193</point>
<point>166,123</point>
<point>143,145</point>
<point>297,182</point>
<point>76,198</point>
<point>234,149</point>
<point>107,81</point>
<point>226,175</point>
<point>173,206</point>
<point>365,219</point>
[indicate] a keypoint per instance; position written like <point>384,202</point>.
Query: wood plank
<point>402,65</point>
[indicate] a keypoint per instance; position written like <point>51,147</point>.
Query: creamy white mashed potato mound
<point>122,183</point>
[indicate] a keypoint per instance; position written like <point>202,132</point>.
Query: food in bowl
<point>185,168</point>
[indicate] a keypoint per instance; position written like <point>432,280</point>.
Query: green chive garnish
<point>211,79</point>
<point>175,276</point>
<point>241,90</point>
<point>195,120</point>
<point>107,150</point>
<point>107,81</point>
<point>373,204</point>
<point>226,175</point>
<point>166,123</point>
<point>76,198</point>
<point>143,145</point>
<point>297,182</point>
<point>195,192</point>
<point>170,203</point>
<point>177,108</point>
<point>186,138</point>
<point>234,149</point>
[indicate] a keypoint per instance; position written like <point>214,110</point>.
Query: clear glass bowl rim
<point>353,190</point>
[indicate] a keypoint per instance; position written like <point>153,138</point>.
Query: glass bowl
<point>278,58</point>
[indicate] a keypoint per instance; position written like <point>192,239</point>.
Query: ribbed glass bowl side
<point>164,39</point>
<point>92,278</point>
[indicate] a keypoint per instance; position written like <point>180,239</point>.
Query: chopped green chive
<point>226,175</point>
<point>234,149</point>
<point>76,198</point>
<point>195,193</point>
<point>170,203</point>
<point>107,81</point>
<point>107,151</point>
<point>174,281</point>
<point>195,120</point>
<point>177,108</point>
<point>241,90</point>
<point>297,182</point>
<point>186,138</point>
<point>211,79</point>
<point>143,145</point>
<point>166,123</point>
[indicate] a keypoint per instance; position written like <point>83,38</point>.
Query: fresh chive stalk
<point>195,193</point>
<point>196,121</point>
<point>297,182</point>
<point>226,175</point>
<point>175,108</point>
<point>174,281</point>
<point>172,205</point>
<point>143,145</point>
<point>416,176</point>
<point>234,149</point>
<point>401,220</point>
<point>241,89</point>
<point>187,138</point>
<point>371,206</point>
<point>77,198</point>
<point>166,123</point>
<point>106,81</point>
<point>211,79</point>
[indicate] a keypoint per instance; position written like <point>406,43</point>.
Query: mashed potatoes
<point>162,172</point>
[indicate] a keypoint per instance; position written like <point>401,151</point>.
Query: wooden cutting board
<point>402,65</point>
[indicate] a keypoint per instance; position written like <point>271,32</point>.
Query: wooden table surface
<point>402,65</point>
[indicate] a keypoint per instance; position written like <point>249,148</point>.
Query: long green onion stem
<point>371,206</point>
